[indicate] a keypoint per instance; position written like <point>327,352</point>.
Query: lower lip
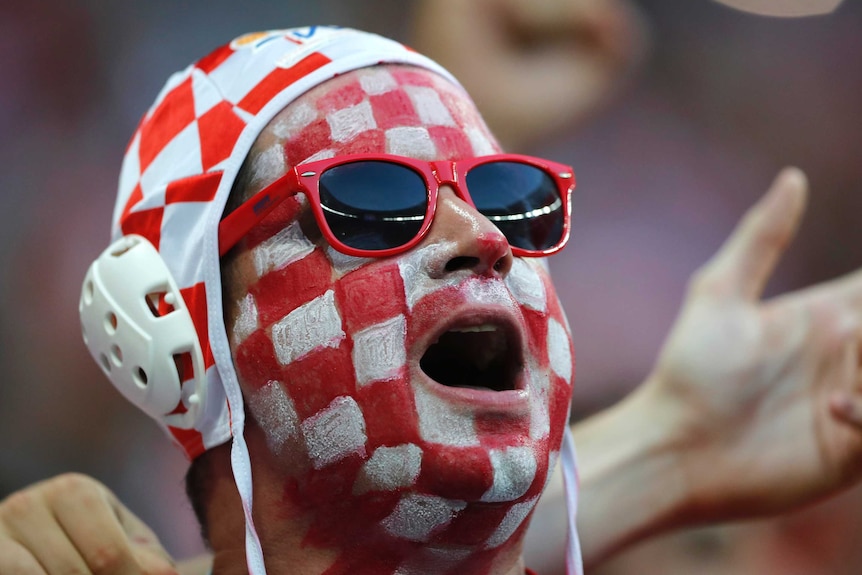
<point>512,401</point>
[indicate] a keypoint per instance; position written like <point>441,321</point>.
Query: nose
<point>475,243</point>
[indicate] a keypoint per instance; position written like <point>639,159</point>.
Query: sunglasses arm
<point>239,222</point>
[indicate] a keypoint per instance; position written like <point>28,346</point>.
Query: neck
<point>302,531</point>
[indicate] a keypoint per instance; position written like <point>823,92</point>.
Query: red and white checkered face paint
<point>332,352</point>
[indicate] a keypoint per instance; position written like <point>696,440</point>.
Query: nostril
<point>461,263</point>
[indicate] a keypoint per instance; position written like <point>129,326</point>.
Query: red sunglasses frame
<point>305,178</point>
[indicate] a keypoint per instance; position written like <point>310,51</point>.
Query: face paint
<point>383,460</point>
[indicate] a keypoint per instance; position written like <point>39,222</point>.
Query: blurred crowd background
<point>718,101</point>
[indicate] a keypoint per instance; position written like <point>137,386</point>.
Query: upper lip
<point>475,349</point>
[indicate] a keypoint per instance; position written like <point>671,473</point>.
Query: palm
<point>766,389</point>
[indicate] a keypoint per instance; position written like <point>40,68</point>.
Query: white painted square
<point>414,268</point>
<point>378,350</point>
<point>287,246</point>
<point>299,116</point>
<point>347,123</point>
<point>428,105</point>
<point>389,468</point>
<point>343,263</point>
<point>540,422</point>
<point>526,285</point>
<point>323,154</point>
<point>377,81</point>
<point>246,322</point>
<point>267,167</point>
<point>511,522</point>
<point>514,471</point>
<point>416,516</point>
<point>410,141</point>
<point>559,351</point>
<point>274,410</point>
<point>440,422</point>
<point>482,145</point>
<point>335,432</point>
<point>308,327</point>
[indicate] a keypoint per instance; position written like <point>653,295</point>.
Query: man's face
<point>424,393</point>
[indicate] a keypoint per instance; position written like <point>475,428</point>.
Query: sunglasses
<point>378,205</point>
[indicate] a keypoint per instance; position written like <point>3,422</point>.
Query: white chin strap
<point>568,461</point>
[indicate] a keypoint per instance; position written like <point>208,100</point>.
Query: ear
<point>140,332</point>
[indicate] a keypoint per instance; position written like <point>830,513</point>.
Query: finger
<point>846,289</point>
<point>148,550</point>
<point>83,510</point>
<point>744,263</point>
<point>15,559</point>
<point>29,523</point>
<point>847,408</point>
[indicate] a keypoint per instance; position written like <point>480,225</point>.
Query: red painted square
<point>279,292</point>
<point>314,380</point>
<point>393,109</point>
<point>390,413</point>
<point>411,77</point>
<point>370,295</point>
<point>451,143</point>
<point>172,116</point>
<point>199,188</point>
<point>256,363</point>
<point>344,97</point>
<point>311,139</point>
<point>443,464</point>
<point>369,141</point>
<point>537,325</point>
<point>429,309</point>
<point>496,431</point>
<point>219,129</point>
<point>275,221</point>
<point>473,525</point>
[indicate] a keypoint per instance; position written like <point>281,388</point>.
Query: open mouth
<point>484,356</point>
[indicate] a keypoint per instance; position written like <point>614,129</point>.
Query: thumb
<point>747,259</point>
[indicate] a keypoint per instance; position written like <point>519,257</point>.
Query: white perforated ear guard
<point>137,345</point>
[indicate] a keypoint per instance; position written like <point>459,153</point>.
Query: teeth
<point>475,328</point>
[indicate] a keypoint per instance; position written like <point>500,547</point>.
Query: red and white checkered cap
<point>182,161</point>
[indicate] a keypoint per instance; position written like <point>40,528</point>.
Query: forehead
<point>390,109</point>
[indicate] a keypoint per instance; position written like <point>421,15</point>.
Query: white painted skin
<point>513,519</point>
<point>335,432</point>
<point>378,351</point>
<point>311,326</point>
<point>275,411</point>
<point>514,471</point>
<point>389,468</point>
<point>417,515</point>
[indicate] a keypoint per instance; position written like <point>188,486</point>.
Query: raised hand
<point>74,524</point>
<point>767,393</point>
<point>754,407</point>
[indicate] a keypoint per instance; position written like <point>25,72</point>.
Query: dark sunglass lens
<point>373,205</point>
<point>521,200</point>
